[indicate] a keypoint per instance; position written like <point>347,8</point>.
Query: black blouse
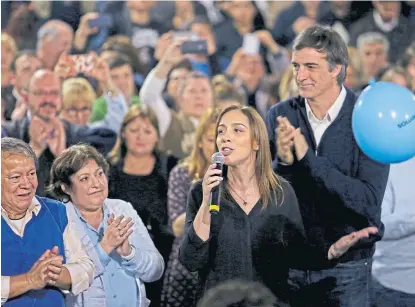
<point>255,246</point>
<point>147,193</point>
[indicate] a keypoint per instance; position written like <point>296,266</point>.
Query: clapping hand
<point>344,243</point>
<point>287,138</point>
<point>46,270</point>
<point>116,235</point>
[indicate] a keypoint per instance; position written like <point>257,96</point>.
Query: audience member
<point>42,253</point>
<point>393,268</point>
<point>8,53</point>
<point>181,177</point>
<point>397,75</point>
<point>23,67</point>
<point>194,95</point>
<point>77,97</point>
<point>386,19</point>
<point>121,75</point>
<point>46,133</point>
<point>53,39</point>
<point>373,50</point>
<point>139,168</point>
<point>236,293</point>
<point>408,63</point>
<point>117,239</point>
<point>295,19</point>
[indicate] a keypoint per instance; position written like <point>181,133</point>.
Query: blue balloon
<point>383,122</point>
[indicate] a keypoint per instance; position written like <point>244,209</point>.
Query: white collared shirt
<point>80,266</point>
<point>385,26</point>
<point>319,126</point>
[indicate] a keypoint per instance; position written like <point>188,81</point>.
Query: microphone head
<point>218,158</point>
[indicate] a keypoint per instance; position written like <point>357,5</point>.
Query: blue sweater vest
<point>43,232</point>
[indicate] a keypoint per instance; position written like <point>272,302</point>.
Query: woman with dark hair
<point>139,174</point>
<point>115,237</point>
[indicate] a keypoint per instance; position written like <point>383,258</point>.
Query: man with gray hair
<point>373,48</point>
<point>339,188</point>
<point>53,38</point>
<point>386,18</point>
<point>42,254</point>
<point>49,135</point>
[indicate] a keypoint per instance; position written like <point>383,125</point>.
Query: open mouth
<point>25,194</point>
<point>226,151</point>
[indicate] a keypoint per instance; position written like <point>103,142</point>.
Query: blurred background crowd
<point>142,81</point>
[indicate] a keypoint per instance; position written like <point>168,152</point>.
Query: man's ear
<point>336,70</point>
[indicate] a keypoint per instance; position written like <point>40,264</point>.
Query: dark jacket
<point>339,188</point>
<point>399,38</point>
<point>102,139</point>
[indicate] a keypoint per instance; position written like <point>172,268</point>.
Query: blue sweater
<point>339,188</point>
<point>18,255</point>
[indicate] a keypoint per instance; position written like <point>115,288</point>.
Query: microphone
<point>217,158</point>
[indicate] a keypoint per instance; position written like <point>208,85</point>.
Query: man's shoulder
<point>287,106</point>
<point>51,203</point>
<point>13,127</point>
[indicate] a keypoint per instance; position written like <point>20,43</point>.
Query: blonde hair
<point>224,90</point>
<point>395,70</point>
<point>196,162</point>
<point>9,42</point>
<point>77,91</point>
<point>269,183</point>
<point>116,39</point>
<point>119,151</point>
<point>285,89</point>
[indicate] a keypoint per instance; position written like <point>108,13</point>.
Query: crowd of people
<point>112,110</point>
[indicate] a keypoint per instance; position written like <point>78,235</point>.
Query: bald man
<point>53,38</point>
<point>49,135</point>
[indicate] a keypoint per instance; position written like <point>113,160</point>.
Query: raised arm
<point>151,92</point>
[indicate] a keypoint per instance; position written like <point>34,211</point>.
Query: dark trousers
<point>385,297</point>
<point>345,285</point>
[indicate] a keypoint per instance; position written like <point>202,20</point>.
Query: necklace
<point>245,202</point>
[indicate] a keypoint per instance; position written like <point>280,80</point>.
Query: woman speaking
<point>258,231</point>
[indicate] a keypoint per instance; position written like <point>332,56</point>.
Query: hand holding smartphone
<point>194,47</point>
<point>83,63</point>
<point>103,21</point>
<point>250,44</point>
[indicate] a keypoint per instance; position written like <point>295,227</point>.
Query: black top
<point>254,247</point>
<point>339,188</point>
<point>147,193</point>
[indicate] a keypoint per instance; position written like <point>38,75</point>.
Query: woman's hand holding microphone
<point>201,223</point>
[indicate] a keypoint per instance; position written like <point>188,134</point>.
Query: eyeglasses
<point>54,94</point>
<point>73,111</point>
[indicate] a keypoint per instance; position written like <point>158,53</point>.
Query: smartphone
<point>185,35</point>
<point>103,21</point>
<point>83,63</point>
<point>195,47</point>
<point>250,44</point>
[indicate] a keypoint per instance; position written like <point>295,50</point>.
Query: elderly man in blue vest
<point>42,255</point>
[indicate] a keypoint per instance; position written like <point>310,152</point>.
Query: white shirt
<point>79,265</point>
<point>385,26</point>
<point>320,126</point>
